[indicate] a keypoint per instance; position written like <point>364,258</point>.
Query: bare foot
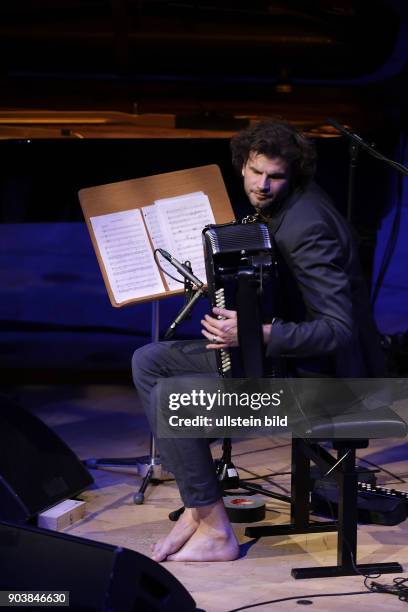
<point>208,545</point>
<point>182,531</point>
<point>213,540</point>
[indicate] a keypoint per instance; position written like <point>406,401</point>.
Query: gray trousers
<point>189,459</point>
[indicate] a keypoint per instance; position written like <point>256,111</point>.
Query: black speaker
<point>99,577</point>
<point>37,469</point>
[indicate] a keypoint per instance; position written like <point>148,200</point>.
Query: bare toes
<point>155,545</point>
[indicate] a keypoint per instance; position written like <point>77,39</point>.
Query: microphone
<point>184,313</point>
<point>184,271</point>
<point>348,134</point>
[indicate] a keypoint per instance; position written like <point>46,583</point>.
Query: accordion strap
<point>250,333</point>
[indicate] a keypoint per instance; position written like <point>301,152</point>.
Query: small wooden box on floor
<point>62,515</point>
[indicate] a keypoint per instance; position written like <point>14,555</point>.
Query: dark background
<point>208,68</point>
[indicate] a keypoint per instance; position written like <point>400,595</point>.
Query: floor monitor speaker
<point>37,469</point>
<point>98,577</point>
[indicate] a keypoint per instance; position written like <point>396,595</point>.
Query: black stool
<point>379,423</point>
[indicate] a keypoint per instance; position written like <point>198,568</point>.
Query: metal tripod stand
<point>147,466</point>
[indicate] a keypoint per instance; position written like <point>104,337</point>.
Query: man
<point>327,328</point>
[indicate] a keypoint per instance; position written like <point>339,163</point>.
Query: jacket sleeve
<point>317,261</point>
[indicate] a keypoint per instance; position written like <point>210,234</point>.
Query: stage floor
<point>107,421</point>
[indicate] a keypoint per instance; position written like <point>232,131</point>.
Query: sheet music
<point>160,241</point>
<point>127,255</point>
<point>182,220</point>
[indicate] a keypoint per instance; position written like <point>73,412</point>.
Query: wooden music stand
<point>136,193</point>
<point>132,194</point>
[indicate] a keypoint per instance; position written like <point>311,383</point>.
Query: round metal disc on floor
<point>244,508</point>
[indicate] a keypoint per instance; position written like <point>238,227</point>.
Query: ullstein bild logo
<point>228,421</point>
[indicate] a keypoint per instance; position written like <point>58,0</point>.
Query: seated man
<point>327,329</point>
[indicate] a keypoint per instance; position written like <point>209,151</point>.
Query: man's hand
<point>222,333</point>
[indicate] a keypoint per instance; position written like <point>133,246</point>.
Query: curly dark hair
<point>276,139</point>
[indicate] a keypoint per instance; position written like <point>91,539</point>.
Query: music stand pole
<point>147,466</point>
<point>150,466</point>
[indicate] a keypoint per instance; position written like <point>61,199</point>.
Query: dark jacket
<point>326,324</point>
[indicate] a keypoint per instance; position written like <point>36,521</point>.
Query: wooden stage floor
<point>107,421</point>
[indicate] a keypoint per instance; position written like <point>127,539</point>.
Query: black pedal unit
<point>375,504</point>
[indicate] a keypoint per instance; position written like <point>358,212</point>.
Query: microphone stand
<point>357,143</point>
<point>150,466</point>
<point>353,152</point>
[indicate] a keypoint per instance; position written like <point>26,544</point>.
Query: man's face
<point>266,180</point>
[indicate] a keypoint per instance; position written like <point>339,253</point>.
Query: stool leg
<point>347,511</point>
<point>300,486</point>
<point>347,529</point>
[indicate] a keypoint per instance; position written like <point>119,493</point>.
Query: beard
<point>261,201</point>
<point>265,203</point>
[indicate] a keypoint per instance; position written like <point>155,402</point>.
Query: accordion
<point>242,275</point>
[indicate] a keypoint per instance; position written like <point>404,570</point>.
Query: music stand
<point>137,193</point>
